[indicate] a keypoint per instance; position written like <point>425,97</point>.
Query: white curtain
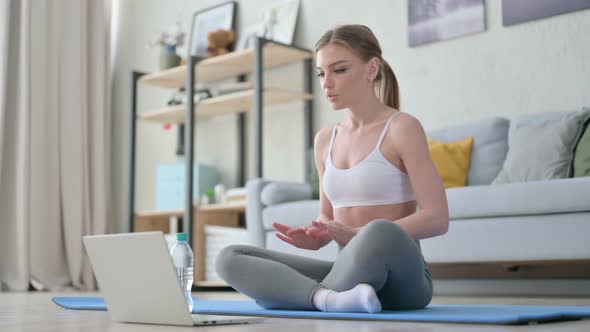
<point>55,81</point>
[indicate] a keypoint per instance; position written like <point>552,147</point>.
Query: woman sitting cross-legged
<point>375,171</point>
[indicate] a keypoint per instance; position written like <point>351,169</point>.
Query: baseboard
<point>547,269</point>
<point>512,287</point>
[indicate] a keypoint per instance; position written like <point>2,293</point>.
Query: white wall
<point>536,66</point>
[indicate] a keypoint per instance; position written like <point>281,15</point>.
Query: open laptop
<point>137,279</point>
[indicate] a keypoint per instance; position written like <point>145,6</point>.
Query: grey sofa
<point>514,225</point>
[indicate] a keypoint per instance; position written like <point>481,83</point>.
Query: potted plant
<point>169,40</point>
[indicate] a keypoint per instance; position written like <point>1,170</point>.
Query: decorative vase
<point>219,193</point>
<point>168,57</point>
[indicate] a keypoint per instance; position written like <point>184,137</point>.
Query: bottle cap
<point>181,236</point>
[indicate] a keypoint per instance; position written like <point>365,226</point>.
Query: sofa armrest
<point>254,207</point>
<point>261,193</point>
<point>277,192</point>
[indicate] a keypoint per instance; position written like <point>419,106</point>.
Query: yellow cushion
<point>452,160</point>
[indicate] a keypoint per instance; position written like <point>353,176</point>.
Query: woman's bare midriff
<point>358,216</point>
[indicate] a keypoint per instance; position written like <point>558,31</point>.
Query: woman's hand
<point>339,232</point>
<point>302,237</point>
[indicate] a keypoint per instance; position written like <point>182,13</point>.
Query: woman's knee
<point>381,237</point>
<point>227,261</point>
<point>382,229</point>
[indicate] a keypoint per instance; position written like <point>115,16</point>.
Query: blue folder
<point>449,313</point>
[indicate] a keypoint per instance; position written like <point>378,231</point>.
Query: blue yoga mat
<point>450,313</point>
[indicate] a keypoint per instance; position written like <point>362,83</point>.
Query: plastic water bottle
<point>182,256</point>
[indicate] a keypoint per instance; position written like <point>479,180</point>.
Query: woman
<point>375,170</point>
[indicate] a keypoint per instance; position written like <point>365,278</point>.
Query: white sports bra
<point>374,181</point>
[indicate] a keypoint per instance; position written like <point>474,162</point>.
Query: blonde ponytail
<point>389,89</point>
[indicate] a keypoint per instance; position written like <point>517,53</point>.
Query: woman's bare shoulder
<point>406,128</point>
<point>321,143</point>
<point>405,123</point>
<point>322,138</point>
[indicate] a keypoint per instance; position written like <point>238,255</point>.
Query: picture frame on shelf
<point>222,16</point>
<point>279,21</point>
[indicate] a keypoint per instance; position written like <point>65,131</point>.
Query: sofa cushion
<point>451,160</point>
<point>489,146</point>
<point>278,192</point>
<point>523,198</point>
<point>538,118</point>
<point>292,214</point>
<point>512,238</point>
<point>542,148</point>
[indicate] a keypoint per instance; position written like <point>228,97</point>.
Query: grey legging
<point>382,254</point>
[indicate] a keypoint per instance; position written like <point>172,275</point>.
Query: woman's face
<point>343,75</point>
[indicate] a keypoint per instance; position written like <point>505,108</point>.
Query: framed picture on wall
<point>207,20</point>
<point>435,20</point>
<point>519,11</point>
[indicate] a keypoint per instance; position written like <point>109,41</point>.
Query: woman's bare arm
<point>321,143</point>
<point>410,143</point>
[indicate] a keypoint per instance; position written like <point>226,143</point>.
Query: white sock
<point>362,298</point>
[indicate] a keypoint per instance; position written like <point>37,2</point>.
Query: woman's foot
<point>362,298</point>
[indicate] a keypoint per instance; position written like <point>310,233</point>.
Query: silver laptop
<point>137,279</point>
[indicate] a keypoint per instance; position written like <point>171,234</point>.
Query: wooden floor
<point>35,312</point>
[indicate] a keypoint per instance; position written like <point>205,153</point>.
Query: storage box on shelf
<point>170,184</point>
<point>265,54</point>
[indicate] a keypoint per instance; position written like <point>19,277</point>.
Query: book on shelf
<point>236,195</point>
